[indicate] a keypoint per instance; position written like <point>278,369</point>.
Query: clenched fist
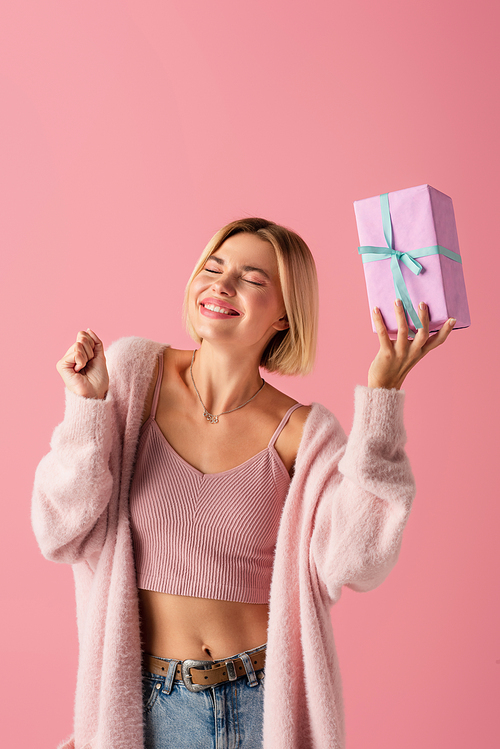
<point>83,367</point>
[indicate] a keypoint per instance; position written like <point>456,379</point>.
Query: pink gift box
<point>423,222</point>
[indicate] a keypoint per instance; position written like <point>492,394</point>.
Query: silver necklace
<point>214,418</point>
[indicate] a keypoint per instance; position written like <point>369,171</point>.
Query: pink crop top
<point>209,535</point>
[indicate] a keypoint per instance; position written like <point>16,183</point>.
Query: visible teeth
<point>213,308</point>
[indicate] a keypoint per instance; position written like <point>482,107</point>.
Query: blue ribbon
<point>370,254</point>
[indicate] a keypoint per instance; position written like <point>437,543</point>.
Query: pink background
<point>130,132</point>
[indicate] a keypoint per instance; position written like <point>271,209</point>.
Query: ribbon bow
<point>370,254</point>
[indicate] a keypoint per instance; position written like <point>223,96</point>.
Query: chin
<point>210,330</point>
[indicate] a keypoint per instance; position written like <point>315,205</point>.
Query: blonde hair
<point>291,351</point>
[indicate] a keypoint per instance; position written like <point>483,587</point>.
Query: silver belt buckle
<point>186,676</point>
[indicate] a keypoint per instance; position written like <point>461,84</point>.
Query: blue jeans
<point>223,716</point>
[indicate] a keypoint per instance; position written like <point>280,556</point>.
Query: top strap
<point>156,394</point>
<point>283,423</point>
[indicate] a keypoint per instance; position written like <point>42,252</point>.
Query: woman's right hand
<point>83,367</point>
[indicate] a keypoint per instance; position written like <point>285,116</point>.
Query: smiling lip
<point>222,305</point>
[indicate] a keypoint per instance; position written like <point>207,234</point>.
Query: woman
<point>211,518</point>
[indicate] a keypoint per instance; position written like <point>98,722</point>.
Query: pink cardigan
<point>341,524</point>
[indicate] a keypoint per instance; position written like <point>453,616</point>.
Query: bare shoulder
<point>292,433</point>
<point>288,441</point>
<point>171,359</point>
<point>281,402</point>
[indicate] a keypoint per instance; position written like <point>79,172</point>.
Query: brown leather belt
<point>227,670</point>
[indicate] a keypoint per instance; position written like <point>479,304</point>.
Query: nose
<point>223,284</point>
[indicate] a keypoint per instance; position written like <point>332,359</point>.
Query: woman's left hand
<point>395,358</point>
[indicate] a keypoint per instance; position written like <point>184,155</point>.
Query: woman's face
<point>236,298</point>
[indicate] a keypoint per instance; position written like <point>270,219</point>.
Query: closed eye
<point>214,270</point>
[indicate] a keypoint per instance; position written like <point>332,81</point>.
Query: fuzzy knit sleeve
<point>76,480</point>
<point>73,482</point>
<point>365,488</point>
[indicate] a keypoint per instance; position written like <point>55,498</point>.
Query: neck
<point>224,381</point>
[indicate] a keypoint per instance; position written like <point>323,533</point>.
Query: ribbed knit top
<point>209,535</point>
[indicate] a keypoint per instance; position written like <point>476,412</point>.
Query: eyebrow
<point>246,268</point>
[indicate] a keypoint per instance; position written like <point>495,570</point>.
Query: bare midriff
<point>184,627</point>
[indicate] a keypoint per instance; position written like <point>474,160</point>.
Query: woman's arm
<point>366,493</point>
<point>368,486</point>
<point>73,482</point>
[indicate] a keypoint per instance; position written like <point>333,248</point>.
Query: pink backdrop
<point>130,132</point>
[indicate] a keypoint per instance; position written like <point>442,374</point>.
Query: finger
<point>383,335</point>
<point>402,337</point>
<point>67,361</point>
<point>440,337</point>
<point>84,349</point>
<point>93,347</point>
<point>82,356</point>
<point>98,344</point>
<point>85,340</point>
<point>422,333</point>
<point>73,360</point>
